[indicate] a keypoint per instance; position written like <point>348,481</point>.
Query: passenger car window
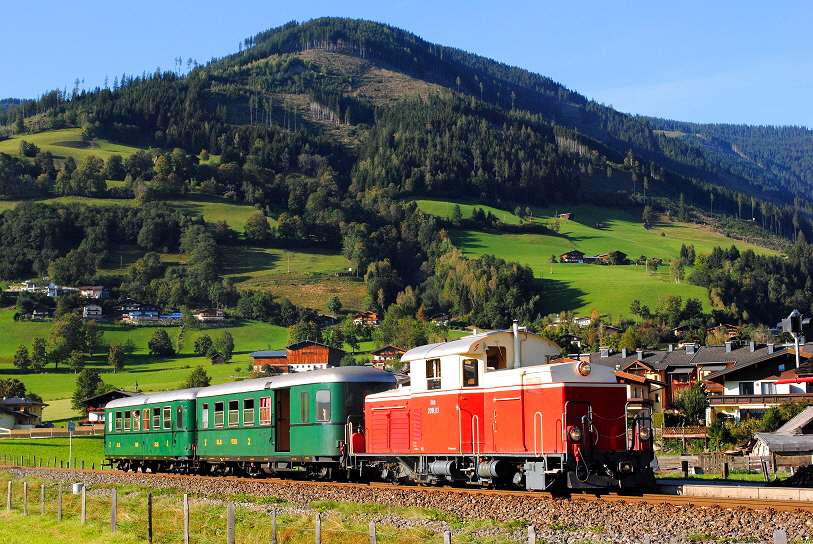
<point>305,406</point>
<point>323,405</point>
<point>218,414</point>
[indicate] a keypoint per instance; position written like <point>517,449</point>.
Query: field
<point>66,142</point>
<point>582,287</point>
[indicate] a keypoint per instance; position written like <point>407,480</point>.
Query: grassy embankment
<point>582,287</point>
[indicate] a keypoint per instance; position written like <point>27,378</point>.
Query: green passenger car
<point>154,431</point>
<point>282,423</point>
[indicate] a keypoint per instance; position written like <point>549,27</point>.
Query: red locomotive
<point>490,409</point>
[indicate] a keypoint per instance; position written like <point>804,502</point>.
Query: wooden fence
<point>43,432</point>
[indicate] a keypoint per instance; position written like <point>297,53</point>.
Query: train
<point>491,409</point>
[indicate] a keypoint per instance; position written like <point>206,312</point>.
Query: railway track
<point>615,498</point>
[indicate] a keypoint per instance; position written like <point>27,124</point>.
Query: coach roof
<point>154,398</point>
<point>347,374</point>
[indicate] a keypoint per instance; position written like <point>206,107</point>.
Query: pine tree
<point>21,358</point>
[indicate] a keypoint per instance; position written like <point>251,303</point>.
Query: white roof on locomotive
<point>346,374</point>
<point>476,345</point>
<point>154,398</point>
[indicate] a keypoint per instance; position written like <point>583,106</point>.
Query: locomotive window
<point>234,413</point>
<point>179,418</point>
<point>323,405</point>
<point>218,414</point>
<point>118,421</point>
<point>433,374</point>
<point>156,418</point>
<point>205,415</point>
<point>136,420</point>
<point>305,406</point>
<point>167,417</point>
<point>248,412</point>
<point>265,410</point>
<point>127,420</point>
<point>495,357</point>
<point>470,373</point>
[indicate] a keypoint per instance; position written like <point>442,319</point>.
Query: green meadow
<point>67,142</point>
<point>149,372</point>
<point>593,231</point>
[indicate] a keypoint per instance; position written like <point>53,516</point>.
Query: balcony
<point>740,400</point>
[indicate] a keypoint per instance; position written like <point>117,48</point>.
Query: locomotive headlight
<point>575,434</point>
<point>644,433</point>
<point>583,368</point>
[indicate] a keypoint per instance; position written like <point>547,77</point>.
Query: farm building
<point>299,357</point>
<point>794,438</point>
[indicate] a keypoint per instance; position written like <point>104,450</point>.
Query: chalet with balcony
<point>574,256</point>
<point>386,355</point>
<point>751,386</point>
<point>95,404</point>
<point>369,319</point>
<point>20,413</point>
<point>94,291</point>
<point>299,357</point>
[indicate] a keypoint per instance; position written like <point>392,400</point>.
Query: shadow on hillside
<point>465,240</point>
<point>559,296</point>
<point>245,260</point>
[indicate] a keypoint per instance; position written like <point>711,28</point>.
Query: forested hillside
<point>328,128</point>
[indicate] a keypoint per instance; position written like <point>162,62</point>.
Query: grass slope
<point>582,287</point>
<point>66,142</point>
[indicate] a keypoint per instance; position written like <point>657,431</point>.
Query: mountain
<point>329,126</point>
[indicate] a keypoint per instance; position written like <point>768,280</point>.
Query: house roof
<point>270,354</point>
<point>115,394</point>
<point>795,425</point>
<point>20,401</point>
<point>388,347</point>
<point>784,443</point>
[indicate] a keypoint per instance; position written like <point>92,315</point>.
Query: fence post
<point>42,499</point>
<point>25,498</point>
<point>230,524</point>
<point>84,504</point>
<point>318,528</point>
<point>447,537</point>
<point>372,533</point>
<point>59,504</point>
<point>274,525</point>
<point>149,518</point>
<point>8,499</point>
<point>780,536</point>
<point>647,539</point>
<point>684,468</point>
<point>725,471</point>
<point>531,534</point>
<point>765,473</point>
<point>83,464</point>
<point>114,499</point>
<point>186,518</point>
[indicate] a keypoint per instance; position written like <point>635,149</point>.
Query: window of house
<point>234,413</point>
<point>746,388</point>
<point>156,418</point>
<point>248,412</point>
<point>305,406</point>
<point>179,417</point>
<point>219,414</point>
<point>118,421</point>
<point>167,417</point>
<point>127,420</point>
<point>768,388</point>
<point>323,405</point>
<point>433,374</point>
<point>265,410</point>
<point>470,378</point>
<point>205,415</point>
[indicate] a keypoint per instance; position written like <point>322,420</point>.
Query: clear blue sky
<point>713,61</point>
